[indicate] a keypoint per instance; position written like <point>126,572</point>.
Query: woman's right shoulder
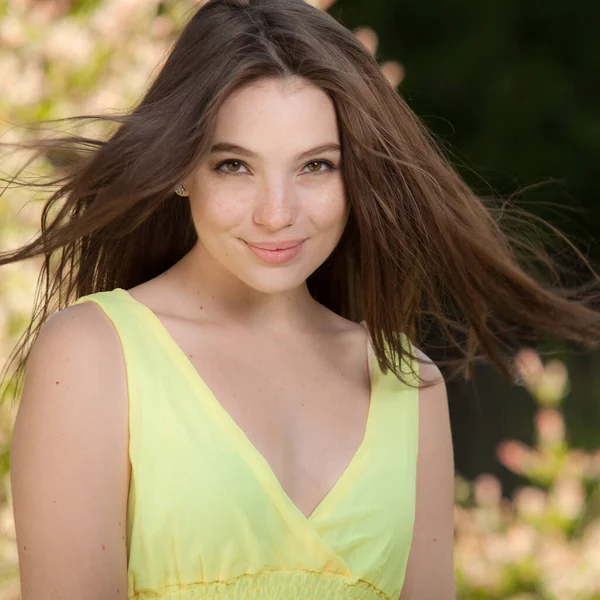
<point>69,458</point>
<point>77,351</point>
<point>78,321</point>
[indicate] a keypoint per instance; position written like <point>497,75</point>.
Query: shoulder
<point>435,439</point>
<point>430,570</point>
<point>69,456</point>
<point>429,372</point>
<point>83,325</point>
<point>75,371</point>
<point>78,342</point>
<point>434,415</point>
<point>76,365</point>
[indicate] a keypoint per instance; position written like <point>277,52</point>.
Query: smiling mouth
<point>284,245</point>
<point>276,256</point>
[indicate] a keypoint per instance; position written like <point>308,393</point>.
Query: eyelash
<point>331,167</point>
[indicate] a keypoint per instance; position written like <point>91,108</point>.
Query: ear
<point>189,183</point>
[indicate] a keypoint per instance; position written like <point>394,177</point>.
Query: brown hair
<point>420,249</point>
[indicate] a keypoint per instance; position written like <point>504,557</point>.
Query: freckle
<point>24,547</point>
<point>202,308</point>
<point>103,548</point>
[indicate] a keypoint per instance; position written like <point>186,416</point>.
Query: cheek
<point>331,211</point>
<point>217,211</point>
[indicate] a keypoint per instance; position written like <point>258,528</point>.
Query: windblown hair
<point>421,252</point>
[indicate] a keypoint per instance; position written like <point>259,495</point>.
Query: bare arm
<point>69,462</point>
<point>430,569</point>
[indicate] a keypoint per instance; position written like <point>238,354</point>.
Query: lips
<point>284,245</point>
<point>276,256</point>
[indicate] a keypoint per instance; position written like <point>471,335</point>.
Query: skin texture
<point>270,197</point>
<point>229,312</point>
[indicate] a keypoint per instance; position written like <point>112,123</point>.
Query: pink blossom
<point>593,469</point>
<point>521,540</point>
<point>577,464</point>
<point>488,490</point>
<point>162,27</point>
<point>568,496</point>
<point>553,384</point>
<point>322,4</point>
<point>514,455</point>
<point>550,427</point>
<point>530,501</point>
<point>394,72</point>
<point>529,366</point>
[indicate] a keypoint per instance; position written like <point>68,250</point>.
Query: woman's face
<point>272,178</point>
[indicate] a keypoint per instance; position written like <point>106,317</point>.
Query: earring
<point>180,190</point>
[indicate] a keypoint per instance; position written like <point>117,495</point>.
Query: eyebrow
<point>228,147</point>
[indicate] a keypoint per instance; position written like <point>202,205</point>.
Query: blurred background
<point>509,87</point>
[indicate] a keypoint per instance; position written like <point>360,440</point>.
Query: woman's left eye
<point>234,167</point>
<point>318,164</point>
<point>236,164</point>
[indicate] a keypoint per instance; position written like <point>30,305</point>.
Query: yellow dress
<point>208,518</point>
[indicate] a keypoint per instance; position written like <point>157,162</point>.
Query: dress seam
<point>157,593</point>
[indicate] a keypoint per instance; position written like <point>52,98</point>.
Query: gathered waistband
<point>270,585</point>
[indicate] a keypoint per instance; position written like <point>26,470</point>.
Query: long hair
<point>420,252</point>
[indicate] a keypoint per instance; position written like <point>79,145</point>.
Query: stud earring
<point>180,190</point>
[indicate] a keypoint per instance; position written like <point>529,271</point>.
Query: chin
<point>276,282</point>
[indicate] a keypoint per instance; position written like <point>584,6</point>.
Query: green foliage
<point>82,8</point>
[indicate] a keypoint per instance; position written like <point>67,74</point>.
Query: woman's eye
<point>232,167</point>
<point>235,167</point>
<point>314,166</point>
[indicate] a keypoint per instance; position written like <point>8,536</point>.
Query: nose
<point>275,206</point>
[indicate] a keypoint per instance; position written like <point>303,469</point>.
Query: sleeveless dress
<point>208,518</point>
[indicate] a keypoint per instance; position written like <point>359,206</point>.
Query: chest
<point>302,406</point>
<point>205,507</point>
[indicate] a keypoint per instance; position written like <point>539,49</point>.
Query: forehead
<point>288,112</point>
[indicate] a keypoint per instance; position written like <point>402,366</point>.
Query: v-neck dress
<point>208,518</point>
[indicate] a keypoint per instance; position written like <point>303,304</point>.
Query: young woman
<point>228,403</point>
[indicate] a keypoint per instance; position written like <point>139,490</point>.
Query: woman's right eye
<point>236,164</point>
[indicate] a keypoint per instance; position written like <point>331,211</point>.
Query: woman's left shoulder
<point>433,402</point>
<point>429,372</point>
<point>430,569</point>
